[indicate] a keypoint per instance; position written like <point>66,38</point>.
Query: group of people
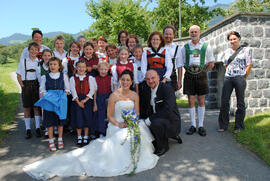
<point>89,86</point>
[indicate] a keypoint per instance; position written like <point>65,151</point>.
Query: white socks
<point>51,140</point>
<point>27,123</point>
<point>37,119</point>
<point>201,112</point>
<point>192,116</point>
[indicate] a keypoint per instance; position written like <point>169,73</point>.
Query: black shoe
<point>38,133</point>
<point>191,130</point>
<point>85,142</point>
<point>79,142</point>
<point>162,151</point>
<point>202,131</point>
<point>178,139</point>
<point>28,134</point>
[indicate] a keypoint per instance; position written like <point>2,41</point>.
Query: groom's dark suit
<point>166,121</point>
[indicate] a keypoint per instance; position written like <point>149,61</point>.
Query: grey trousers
<point>239,84</point>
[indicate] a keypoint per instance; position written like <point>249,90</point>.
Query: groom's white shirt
<point>152,103</point>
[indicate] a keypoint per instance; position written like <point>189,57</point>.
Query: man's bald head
<point>194,32</point>
<point>152,78</point>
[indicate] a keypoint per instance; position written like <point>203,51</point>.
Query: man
<point>197,58</point>
<point>161,112</point>
<point>36,37</point>
<point>173,49</point>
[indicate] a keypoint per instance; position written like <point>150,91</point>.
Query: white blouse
<point>42,87</point>
<point>91,82</point>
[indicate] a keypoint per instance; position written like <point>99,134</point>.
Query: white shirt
<point>171,49</point>
<point>209,56</point>
<point>25,52</point>
<point>168,63</point>
<point>112,61</point>
<point>153,96</point>
<point>140,74</point>
<point>101,56</point>
<point>39,71</point>
<point>115,75</point>
<point>30,64</point>
<point>65,63</point>
<point>60,56</point>
<point>91,82</point>
<point>42,87</point>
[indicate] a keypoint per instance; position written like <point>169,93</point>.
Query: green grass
<point>9,97</point>
<point>182,103</point>
<point>256,136</point>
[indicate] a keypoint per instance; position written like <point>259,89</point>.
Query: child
<point>82,88</point>
<point>28,79</point>
<point>132,40</point>
<point>101,53</point>
<point>69,62</point>
<point>137,52</point>
<point>90,58</point>
<point>111,51</point>
<point>55,80</point>
<point>121,65</point>
<point>43,69</point>
<point>59,44</point>
<point>94,42</point>
<point>104,89</point>
<point>81,40</point>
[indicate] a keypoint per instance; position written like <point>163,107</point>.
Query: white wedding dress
<point>104,157</point>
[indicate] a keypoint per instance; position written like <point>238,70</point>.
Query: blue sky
<point>19,16</point>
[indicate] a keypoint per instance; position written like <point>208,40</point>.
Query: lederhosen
<point>173,75</point>
<point>156,63</point>
<point>30,91</point>
<point>195,79</point>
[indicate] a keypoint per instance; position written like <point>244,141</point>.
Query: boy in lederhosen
<point>28,79</point>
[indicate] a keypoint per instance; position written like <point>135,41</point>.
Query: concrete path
<point>216,157</point>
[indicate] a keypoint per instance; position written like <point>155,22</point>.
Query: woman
<point>104,157</point>
<point>157,57</point>
<point>122,38</point>
<point>132,40</point>
<point>237,71</point>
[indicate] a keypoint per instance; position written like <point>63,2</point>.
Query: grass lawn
<point>256,136</point>
<point>182,103</point>
<point>9,97</point>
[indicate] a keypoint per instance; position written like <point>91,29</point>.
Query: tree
<point>167,13</point>
<point>249,6</point>
<point>113,16</point>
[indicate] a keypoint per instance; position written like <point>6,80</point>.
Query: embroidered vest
<point>55,84</point>
<point>71,69</point>
<point>82,87</point>
<point>200,52</point>
<point>42,70</point>
<point>121,67</point>
<point>103,84</point>
<point>156,62</point>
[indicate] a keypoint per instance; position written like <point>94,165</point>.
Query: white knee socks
<point>27,123</point>
<point>201,111</point>
<point>37,119</point>
<point>192,116</point>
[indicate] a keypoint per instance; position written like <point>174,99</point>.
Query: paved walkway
<point>216,157</point>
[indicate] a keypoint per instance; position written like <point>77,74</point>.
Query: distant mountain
<point>217,19</point>
<point>20,38</point>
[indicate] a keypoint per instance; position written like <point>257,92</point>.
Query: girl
<point>104,89</point>
<point>157,57</point>
<point>101,53</point>
<point>94,42</point>
<point>132,40</point>
<point>81,40</point>
<point>111,51</point>
<point>82,88</point>
<point>90,58</point>
<point>70,61</point>
<point>59,44</point>
<point>122,65</point>
<point>122,38</point>
<point>43,69</point>
<point>28,79</point>
<point>55,80</point>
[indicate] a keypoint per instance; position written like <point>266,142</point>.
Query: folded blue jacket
<point>55,101</point>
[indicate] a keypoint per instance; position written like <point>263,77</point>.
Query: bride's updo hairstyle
<point>128,72</point>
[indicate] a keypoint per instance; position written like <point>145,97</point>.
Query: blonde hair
<point>103,64</point>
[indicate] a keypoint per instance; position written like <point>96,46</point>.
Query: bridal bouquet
<point>132,119</point>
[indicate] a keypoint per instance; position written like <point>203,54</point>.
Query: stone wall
<point>255,30</point>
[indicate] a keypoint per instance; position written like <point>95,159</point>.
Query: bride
<point>104,157</point>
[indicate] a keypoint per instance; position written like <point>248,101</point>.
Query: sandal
<point>52,146</point>
<point>79,142</point>
<point>220,130</point>
<point>60,144</point>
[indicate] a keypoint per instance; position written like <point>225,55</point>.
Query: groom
<point>158,108</point>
